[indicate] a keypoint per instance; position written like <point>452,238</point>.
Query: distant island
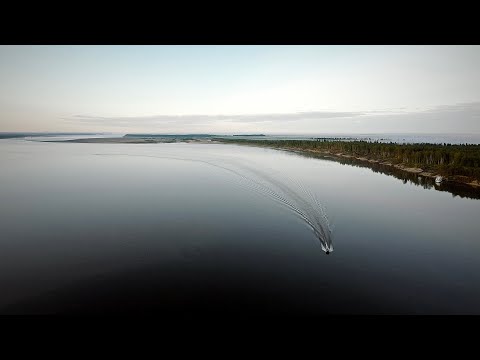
<point>251,135</point>
<point>171,136</point>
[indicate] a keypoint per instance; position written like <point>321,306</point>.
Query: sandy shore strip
<point>127,140</point>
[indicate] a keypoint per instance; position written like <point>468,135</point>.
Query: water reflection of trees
<point>456,189</point>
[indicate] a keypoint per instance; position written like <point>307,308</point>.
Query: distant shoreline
<point>366,160</point>
<point>413,170</point>
<point>133,140</point>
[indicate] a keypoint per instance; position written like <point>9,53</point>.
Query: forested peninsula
<point>455,163</point>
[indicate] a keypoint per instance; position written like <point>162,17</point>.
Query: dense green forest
<point>445,159</point>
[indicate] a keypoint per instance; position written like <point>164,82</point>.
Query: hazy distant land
<point>13,135</point>
<point>135,140</point>
<point>119,140</point>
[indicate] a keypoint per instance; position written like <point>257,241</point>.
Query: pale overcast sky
<point>231,89</point>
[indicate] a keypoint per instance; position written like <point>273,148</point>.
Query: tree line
<point>446,159</point>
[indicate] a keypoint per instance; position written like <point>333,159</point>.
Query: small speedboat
<point>328,248</point>
<point>438,179</point>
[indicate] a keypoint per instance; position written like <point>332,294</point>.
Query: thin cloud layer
<point>206,119</point>
<point>440,118</point>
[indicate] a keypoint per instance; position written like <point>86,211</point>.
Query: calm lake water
<point>186,228</point>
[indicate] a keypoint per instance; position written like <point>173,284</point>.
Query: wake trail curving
<point>303,203</point>
<point>307,206</point>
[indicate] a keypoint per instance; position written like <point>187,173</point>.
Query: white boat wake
<point>291,194</point>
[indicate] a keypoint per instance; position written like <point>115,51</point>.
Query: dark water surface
<point>212,228</point>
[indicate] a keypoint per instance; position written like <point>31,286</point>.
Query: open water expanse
<point>186,228</point>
